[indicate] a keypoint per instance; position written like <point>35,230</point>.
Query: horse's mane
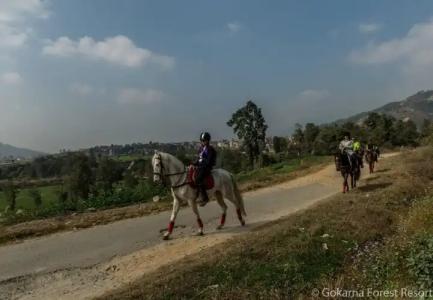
<point>171,159</point>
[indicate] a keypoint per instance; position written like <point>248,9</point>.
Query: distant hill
<point>7,151</point>
<point>416,108</point>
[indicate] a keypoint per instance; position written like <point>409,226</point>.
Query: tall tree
<point>81,177</point>
<point>280,144</point>
<point>10,192</point>
<point>426,129</point>
<point>107,173</point>
<point>249,125</point>
<point>311,131</point>
<point>36,196</point>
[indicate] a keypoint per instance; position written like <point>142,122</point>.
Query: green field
<point>48,193</point>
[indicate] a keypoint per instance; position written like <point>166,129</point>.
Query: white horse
<point>169,169</point>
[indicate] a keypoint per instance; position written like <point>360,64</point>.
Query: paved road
<point>98,244</point>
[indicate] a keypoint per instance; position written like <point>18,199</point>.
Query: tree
<point>130,180</point>
<point>250,127</point>
<point>311,131</point>
<point>426,129</point>
<point>107,174</point>
<point>405,133</point>
<point>81,177</point>
<point>10,192</point>
<point>327,140</point>
<point>280,144</point>
<point>36,196</point>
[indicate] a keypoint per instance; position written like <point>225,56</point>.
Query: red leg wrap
<point>223,219</point>
<point>170,227</point>
<point>200,223</point>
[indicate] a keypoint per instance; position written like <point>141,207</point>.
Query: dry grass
<point>286,259</point>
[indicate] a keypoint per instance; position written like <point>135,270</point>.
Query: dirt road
<point>86,263</point>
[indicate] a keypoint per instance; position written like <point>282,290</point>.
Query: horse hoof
<point>219,227</point>
<point>166,237</point>
<point>243,223</point>
<point>200,233</point>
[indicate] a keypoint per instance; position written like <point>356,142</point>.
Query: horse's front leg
<point>194,207</point>
<point>223,206</point>
<point>345,183</point>
<point>174,212</point>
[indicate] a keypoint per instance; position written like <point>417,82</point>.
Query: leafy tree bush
<point>420,262</point>
<point>249,125</point>
<point>108,172</point>
<point>280,144</point>
<point>10,192</point>
<point>36,196</point>
<point>81,178</point>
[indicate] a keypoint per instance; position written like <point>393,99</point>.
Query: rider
<point>346,147</point>
<point>205,162</point>
<point>376,149</point>
<point>358,151</point>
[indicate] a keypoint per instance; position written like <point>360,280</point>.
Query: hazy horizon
<point>75,74</point>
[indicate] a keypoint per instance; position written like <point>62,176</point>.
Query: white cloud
<point>118,50</point>
<point>234,27</point>
<point>367,28</point>
<point>414,50</point>
<point>81,89</point>
<point>11,37</point>
<point>139,96</point>
<point>16,10</point>
<point>313,95</point>
<point>14,18</point>
<point>11,78</point>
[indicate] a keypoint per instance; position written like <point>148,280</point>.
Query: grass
<point>24,201</point>
<point>311,249</point>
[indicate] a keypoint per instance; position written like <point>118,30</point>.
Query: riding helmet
<point>205,136</point>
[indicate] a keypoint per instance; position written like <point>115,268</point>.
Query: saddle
<point>209,182</point>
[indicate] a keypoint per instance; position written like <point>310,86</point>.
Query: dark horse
<point>371,158</point>
<point>347,169</point>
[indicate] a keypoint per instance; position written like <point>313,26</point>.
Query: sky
<point>74,74</point>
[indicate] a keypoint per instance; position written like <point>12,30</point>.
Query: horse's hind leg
<point>223,206</point>
<point>199,221</point>
<point>231,196</point>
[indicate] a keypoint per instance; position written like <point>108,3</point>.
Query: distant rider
<point>376,149</point>
<point>205,162</point>
<point>358,150</point>
<point>346,147</point>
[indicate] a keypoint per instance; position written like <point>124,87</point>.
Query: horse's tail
<point>238,196</point>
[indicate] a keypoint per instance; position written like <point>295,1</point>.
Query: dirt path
<point>86,263</point>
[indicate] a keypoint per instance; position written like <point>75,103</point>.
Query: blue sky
<point>80,73</point>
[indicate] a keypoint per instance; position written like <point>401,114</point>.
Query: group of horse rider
<point>355,151</point>
<point>206,159</point>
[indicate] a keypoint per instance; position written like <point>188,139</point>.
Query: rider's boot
<point>204,198</point>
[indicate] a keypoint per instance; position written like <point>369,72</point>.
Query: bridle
<point>163,175</point>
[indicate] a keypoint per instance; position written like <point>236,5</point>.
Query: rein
<point>173,174</point>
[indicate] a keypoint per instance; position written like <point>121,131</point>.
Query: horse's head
<point>157,167</point>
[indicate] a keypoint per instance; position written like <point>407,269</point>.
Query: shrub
<point>36,196</point>
<point>420,261</point>
<point>10,192</point>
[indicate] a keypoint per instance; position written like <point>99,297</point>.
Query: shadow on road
<point>374,186</point>
<point>382,171</point>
